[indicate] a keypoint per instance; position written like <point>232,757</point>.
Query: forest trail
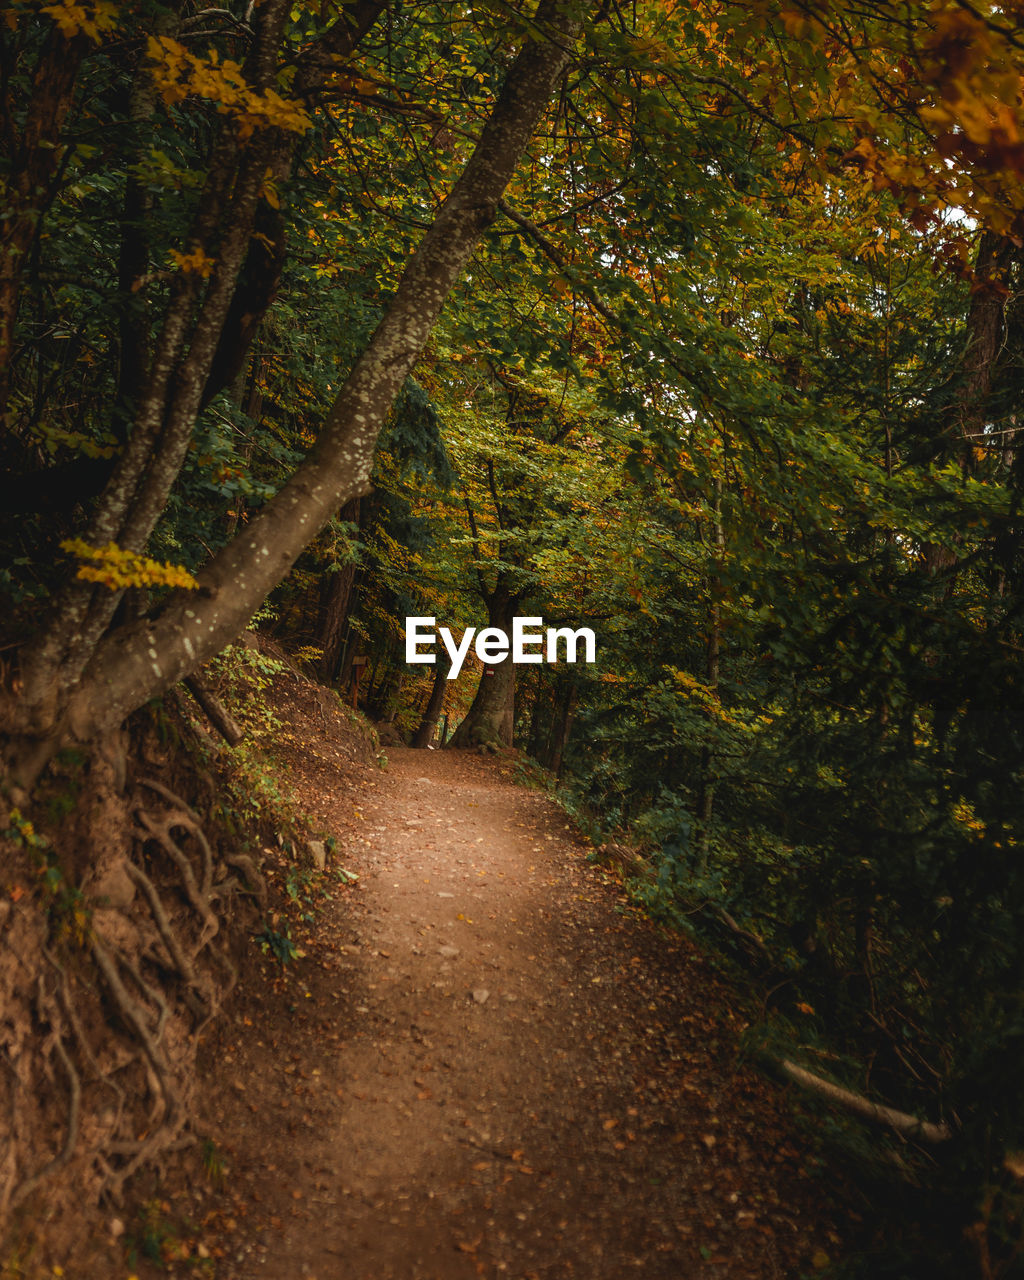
<point>485,1065</point>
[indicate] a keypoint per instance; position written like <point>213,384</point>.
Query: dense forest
<point>699,325</point>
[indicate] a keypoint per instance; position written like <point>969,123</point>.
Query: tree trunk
<point>562,727</point>
<point>540,719</point>
<point>217,714</point>
<point>490,719</point>
<point>336,606</point>
<point>422,736</point>
<point>32,164</point>
<point>393,699</point>
<point>986,328</point>
<point>706,795</point>
<point>134,663</point>
<point>383,697</point>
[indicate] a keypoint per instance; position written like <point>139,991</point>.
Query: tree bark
<point>421,738</point>
<point>137,662</point>
<point>215,711</point>
<point>386,698</point>
<point>986,328</point>
<point>147,467</point>
<point>490,720</point>
<point>540,719</point>
<point>712,668</point>
<point>562,727</point>
<point>336,606</point>
<point>32,163</point>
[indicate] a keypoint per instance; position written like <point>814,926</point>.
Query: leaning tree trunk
<point>89,673</point>
<point>491,718</point>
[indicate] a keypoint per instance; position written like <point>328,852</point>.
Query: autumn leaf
<point>112,567</point>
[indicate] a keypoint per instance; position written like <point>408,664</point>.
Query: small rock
<point>446,895</point>
<point>116,886</point>
<point>449,951</point>
<point>116,1228</point>
<point>317,854</point>
<point>481,995</point>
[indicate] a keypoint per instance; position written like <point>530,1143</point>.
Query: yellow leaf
<point>112,567</point>
<point>196,262</point>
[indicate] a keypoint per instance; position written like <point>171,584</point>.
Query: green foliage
<point>162,1238</point>
<point>258,789</point>
<point>278,943</point>
<point>67,913</point>
<point>255,784</point>
<point>213,1163</point>
<point>731,378</point>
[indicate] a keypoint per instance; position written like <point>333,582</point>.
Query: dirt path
<point>486,1066</point>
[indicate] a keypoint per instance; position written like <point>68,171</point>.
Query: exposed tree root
<point>98,1075</point>
<point>21,1193</point>
<point>106,987</point>
<point>254,882</point>
<point>135,1016</point>
<point>182,960</point>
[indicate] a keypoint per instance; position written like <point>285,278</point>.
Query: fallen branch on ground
<point>744,935</point>
<point>876,1112</point>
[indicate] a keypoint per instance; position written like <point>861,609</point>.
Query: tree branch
<point>148,657</point>
<point>876,1112</point>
